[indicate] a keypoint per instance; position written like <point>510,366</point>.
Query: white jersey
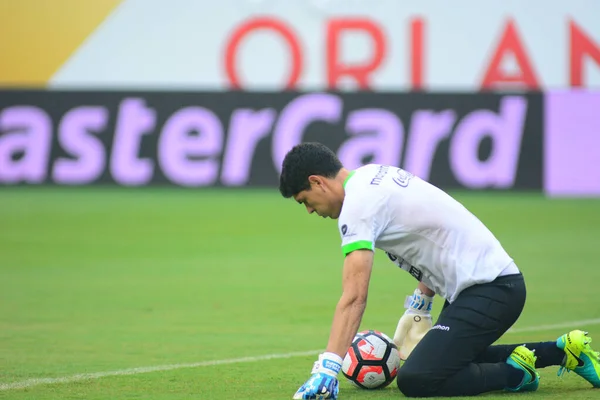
<point>421,228</point>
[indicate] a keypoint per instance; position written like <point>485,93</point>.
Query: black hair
<point>304,160</point>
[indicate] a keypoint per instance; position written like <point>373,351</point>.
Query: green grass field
<point>110,280</point>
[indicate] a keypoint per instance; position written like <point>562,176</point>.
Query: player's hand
<point>323,383</point>
<point>414,324</point>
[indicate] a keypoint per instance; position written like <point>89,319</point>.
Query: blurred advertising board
<point>474,141</point>
<point>239,139</point>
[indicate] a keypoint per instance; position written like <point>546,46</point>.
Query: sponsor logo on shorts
<point>441,327</point>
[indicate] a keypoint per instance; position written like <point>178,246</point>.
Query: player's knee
<point>414,383</point>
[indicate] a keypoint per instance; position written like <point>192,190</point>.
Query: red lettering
<point>248,27</point>
<point>510,44</point>
<point>416,52</point>
<point>580,46</point>
<point>360,72</point>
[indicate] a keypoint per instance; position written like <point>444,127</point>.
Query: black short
<point>478,317</point>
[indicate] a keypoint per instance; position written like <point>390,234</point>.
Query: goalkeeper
<point>452,254</point>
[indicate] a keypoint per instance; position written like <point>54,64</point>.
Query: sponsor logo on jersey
<point>403,264</point>
<point>381,173</point>
<point>416,273</point>
<point>345,232</point>
<point>399,261</point>
<point>402,177</point>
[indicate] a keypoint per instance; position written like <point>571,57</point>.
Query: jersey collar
<point>348,178</point>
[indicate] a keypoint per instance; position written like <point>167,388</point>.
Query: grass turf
<point>98,279</point>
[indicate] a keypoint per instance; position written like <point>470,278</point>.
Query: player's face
<point>314,202</point>
<point>319,199</point>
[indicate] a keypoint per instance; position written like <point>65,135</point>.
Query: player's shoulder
<point>373,180</point>
<point>369,175</point>
<point>363,188</point>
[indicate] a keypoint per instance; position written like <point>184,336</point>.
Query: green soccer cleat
<point>524,359</point>
<point>579,356</point>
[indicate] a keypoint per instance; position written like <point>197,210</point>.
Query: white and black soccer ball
<point>372,361</point>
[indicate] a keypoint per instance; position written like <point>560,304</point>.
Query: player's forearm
<point>425,290</point>
<point>346,320</point>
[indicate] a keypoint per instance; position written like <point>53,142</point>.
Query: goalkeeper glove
<point>414,324</point>
<point>323,383</point>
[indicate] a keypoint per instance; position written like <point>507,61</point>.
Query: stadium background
<point>140,142</point>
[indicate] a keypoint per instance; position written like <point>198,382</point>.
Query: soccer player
<point>452,254</point>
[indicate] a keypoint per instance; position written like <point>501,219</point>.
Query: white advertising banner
<point>435,45</point>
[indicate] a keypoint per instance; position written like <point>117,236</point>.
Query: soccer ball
<point>372,361</point>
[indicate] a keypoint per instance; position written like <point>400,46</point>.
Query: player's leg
<point>442,363</point>
<point>547,353</point>
<point>571,351</point>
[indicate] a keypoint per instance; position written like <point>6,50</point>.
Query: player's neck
<point>341,178</point>
<point>342,175</point>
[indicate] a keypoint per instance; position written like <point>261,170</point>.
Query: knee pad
<point>413,383</point>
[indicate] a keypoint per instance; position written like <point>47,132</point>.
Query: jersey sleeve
<point>361,222</point>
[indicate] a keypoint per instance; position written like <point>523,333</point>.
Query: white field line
<point>142,370</point>
<point>572,325</point>
<point>157,368</point>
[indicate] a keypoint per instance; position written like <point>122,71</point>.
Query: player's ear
<point>316,181</point>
